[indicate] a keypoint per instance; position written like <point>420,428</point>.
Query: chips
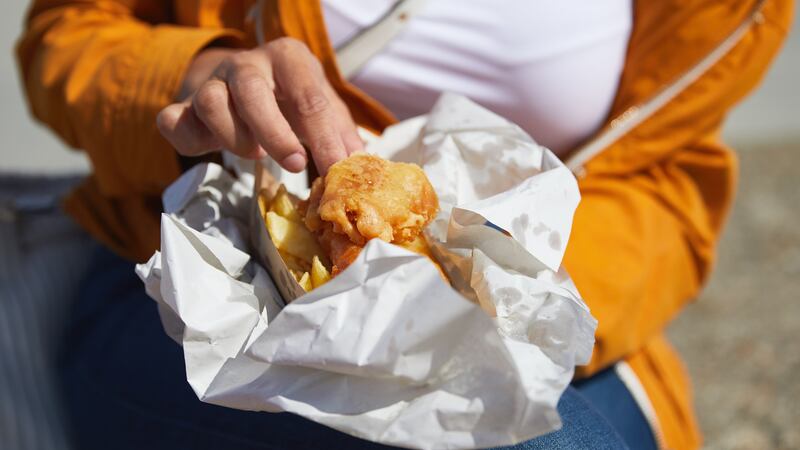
<point>305,282</point>
<point>294,263</point>
<point>297,246</point>
<point>292,237</point>
<point>284,205</point>
<point>319,273</point>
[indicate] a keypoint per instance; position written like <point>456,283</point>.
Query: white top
<point>550,66</point>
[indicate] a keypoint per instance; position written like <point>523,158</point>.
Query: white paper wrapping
<point>388,351</point>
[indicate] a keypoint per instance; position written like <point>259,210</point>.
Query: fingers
<point>213,105</point>
<point>207,122</point>
<point>184,131</point>
<point>256,105</point>
<point>345,124</point>
<point>270,100</point>
<point>299,86</point>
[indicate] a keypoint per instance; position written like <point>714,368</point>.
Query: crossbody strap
<point>635,115</point>
<point>354,53</point>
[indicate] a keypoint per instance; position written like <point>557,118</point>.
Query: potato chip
<point>294,264</point>
<point>284,205</point>
<point>319,273</point>
<point>292,237</point>
<point>305,282</point>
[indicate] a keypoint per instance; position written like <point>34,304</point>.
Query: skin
<point>271,100</point>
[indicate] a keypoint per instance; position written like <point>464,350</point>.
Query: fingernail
<point>294,162</point>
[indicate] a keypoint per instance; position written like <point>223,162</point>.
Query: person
<point>148,88</point>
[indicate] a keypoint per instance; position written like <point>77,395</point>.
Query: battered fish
<point>366,197</point>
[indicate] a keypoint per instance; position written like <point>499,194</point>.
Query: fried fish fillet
<point>342,251</point>
<point>366,197</point>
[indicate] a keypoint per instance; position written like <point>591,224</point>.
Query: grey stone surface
<point>740,338</point>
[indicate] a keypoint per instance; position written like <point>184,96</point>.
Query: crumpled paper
<point>387,351</point>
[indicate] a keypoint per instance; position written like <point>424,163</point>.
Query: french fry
<point>283,205</point>
<point>305,282</point>
<point>297,246</point>
<point>319,273</point>
<point>292,237</point>
<point>294,264</point>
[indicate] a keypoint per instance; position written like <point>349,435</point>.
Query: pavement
<point>740,337</point>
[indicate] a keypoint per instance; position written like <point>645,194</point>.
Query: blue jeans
<point>125,388</point>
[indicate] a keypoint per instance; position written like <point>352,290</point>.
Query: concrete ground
<point>739,339</point>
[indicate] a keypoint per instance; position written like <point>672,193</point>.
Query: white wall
<point>772,113</point>
<point>25,146</point>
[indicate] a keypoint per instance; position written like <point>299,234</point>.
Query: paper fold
<point>387,350</point>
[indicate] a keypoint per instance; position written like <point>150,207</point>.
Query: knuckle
<point>286,44</point>
<point>165,121</point>
<point>342,112</point>
<point>239,59</point>
<point>311,102</point>
<point>248,84</point>
<point>210,98</point>
<point>244,60</point>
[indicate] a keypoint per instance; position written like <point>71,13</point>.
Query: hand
<point>271,100</point>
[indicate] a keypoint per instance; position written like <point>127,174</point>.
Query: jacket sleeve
<point>645,233</point>
<point>98,72</point>
<point>641,247</point>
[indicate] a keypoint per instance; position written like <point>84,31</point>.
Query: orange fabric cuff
<point>157,70</point>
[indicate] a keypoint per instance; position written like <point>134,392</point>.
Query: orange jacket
<point>644,236</point>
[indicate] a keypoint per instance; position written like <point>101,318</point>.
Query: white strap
<point>635,115</point>
<point>353,54</point>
